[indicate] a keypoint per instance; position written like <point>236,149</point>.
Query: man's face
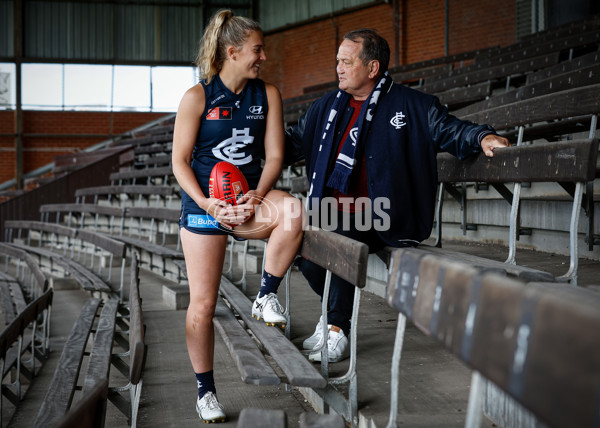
<point>352,73</point>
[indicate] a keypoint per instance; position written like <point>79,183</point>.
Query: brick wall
<point>299,57</point>
<point>478,24</point>
<point>304,56</point>
<point>39,151</point>
<point>424,35</point>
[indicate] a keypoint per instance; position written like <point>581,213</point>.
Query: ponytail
<point>223,30</point>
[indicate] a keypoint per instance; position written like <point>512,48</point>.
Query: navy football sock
<point>206,383</point>
<point>269,284</point>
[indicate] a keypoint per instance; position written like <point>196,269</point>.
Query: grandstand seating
<point>29,333</point>
<point>510,333</point>
<point>57,407</point>
<point>542,90</point>
<point>68,249</point>
<point>126,195</point>
<point>572,164</point>
<point>132,362</point>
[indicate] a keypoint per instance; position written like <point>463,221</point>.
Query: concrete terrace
<point>434,384</point>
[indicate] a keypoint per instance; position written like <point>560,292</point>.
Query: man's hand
<point>490,142</point>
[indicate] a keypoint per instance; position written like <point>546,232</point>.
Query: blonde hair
<point>223,30</point>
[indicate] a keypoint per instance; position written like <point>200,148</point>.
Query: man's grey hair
<point>374,47</point>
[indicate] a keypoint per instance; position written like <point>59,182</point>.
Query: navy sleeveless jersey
<point>232,129</point>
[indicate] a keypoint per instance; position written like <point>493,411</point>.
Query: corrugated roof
<point>120,31</point>
<point>276,13</point>
<point>136,31</point>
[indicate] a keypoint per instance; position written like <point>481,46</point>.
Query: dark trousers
<point>341,292</point>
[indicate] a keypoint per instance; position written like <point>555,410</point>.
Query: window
<point>42,86</point>
<point>7,86</point>
<point>169,85</point>
<point>87,87</point>
<point>131,89</point>
<point>97,87</point>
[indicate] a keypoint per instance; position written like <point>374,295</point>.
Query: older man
<point>370,150</point>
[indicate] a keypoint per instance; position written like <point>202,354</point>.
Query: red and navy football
<point>227,183</point>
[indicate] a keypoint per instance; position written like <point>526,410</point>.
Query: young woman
<point>230,115</point>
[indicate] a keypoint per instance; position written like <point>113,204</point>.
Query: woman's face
<point>251,55</point>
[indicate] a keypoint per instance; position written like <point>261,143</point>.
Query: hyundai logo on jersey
<point>256,110</point>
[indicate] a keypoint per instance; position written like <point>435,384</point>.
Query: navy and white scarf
<point>348,156</point>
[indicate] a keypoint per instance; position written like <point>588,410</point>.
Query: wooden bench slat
<point>62,387</point>
<point>137,345</point>
<point>100,359</point>
<point>565,343</point>
<point>10,334</point>
<point>139,141</point>
<point>483,264</point>
<point>10,362</point>
<point>125,189</point>
<point>71,161</point>
<point>494,72</point>
<point>6,301</point>
<point>344,257</point>
<point>157,160</point>
<point>299,184</point>
<point>88,280</point>
<point>41,226</point>
<point>260,418</point>
<point>83,208</point>
<point>250,362</point>
<point>90,411</point>
<point>560,82</point>
<point>159,250</point>
<point>537,342</point>
<point>558,105</point>
<point>313,420</point>
<point>563,67</point>
<point>150,150</point>
<point>142,173</point>
<point>561,161</point>
<point>157,213</point>
<point>18,297</point>
<point>113,246</point>
<point>298,370</point>
<point>465,94</point>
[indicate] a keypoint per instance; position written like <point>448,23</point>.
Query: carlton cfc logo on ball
<point>227,183</point>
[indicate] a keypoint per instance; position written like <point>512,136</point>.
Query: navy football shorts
<point>196,220</point>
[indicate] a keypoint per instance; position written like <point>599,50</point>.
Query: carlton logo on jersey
<point>232,149</point>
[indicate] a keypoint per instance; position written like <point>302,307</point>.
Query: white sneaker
<point>315,339</point>
<point>337,346</point>
<point>209,409</point>
<point>268,308</point>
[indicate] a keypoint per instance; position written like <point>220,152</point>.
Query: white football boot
<point>270,310</point>
<point>337,346</point>
<point>313,340</point>
<point>209,409</point>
